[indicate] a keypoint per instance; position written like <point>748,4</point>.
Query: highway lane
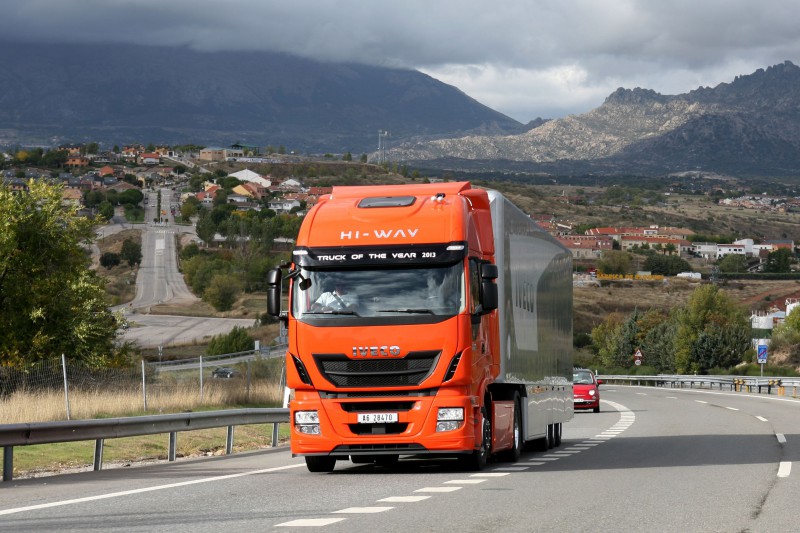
<point>653,459</point>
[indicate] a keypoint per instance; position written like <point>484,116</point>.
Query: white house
<point>248,175</point>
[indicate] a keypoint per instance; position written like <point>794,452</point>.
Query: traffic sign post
<point>637,357</point>
<point>761,357</point>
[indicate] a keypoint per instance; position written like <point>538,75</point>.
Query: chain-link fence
<point>58,390</point>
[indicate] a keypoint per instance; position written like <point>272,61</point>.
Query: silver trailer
<point>535,319</point>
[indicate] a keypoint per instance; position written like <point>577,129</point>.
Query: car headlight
<point>592,392</point>
<point>307,422</point>
<point>449,418</point>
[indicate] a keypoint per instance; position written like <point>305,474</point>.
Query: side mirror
<point>599,382</point>
<point>274,278</point>
<point>489,295</point>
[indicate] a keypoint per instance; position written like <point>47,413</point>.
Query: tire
<point>478,458</point>
<point>557,434</point>
<point>596,409</point>
<point>551,436</point>
<point>542,444</point>
<point>320,463</point>
<point>514,453</point>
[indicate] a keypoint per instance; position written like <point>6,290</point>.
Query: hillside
<point>124,93</point>
<point>750,126</point>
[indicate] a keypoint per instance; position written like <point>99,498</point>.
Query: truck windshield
<point>424,290</point>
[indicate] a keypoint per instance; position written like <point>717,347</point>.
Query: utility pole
<point>382,135</point>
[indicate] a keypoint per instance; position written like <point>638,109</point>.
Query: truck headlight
<point>307,422</point>
<point>449,418</point>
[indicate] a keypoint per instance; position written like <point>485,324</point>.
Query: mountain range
<point>128,93</point>
<point>119,94</point>
<point>749,127</point>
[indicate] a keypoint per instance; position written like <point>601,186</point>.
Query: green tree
<point>222,292</point>
<point>733,263</point>
<point>666,265</point>
<point>106,210</point>
<point>206,228</point>
<point>779,261</point>
<point>614,262</point>
<point>709,312</point>
<point>110,260</point>
<point>131,252</point>
<point>237,340</point>
<point>51,303</point>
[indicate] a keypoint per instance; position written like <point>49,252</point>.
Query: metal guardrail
<point>734,383</point>
<point>107,428</point>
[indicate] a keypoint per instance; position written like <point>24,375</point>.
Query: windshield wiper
<point>412,311</point>
<point>332,312</point>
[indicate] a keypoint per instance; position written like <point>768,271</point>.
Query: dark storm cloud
<point>526,58</point>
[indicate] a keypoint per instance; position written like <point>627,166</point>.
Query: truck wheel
<point>477,459</point>
<point>512,455</point>
<point>320,463</point>
<point>557,429</point>
<point>542,444</point>
<point>551,435</point>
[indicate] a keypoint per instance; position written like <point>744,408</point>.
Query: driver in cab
<point>339,299</point>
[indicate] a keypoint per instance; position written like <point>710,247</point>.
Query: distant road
<point>159,281</point>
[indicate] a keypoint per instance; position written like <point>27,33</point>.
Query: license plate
<point>377,418</point>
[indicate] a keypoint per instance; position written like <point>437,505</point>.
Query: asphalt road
<point>159,281</point>
<point>651,460</point>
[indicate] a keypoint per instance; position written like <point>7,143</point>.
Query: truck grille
<point>343,371</point>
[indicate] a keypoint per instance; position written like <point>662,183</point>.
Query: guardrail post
<point>173,444</point>
<point>8,463</point>
<point>98,454</point>
<point>229,441</point>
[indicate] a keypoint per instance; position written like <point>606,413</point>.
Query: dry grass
<point>22,407</point>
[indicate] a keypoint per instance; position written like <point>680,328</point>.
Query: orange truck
<point>424,320</point>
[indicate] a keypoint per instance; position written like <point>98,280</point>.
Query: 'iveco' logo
<point>376,351</point>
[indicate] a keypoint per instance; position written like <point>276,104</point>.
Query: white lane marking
<point>641,393</point>
<point>732,408</point>
<point>762,419</point>
<point>143,490</point>
<point>700,401</point>
<point>311,522</point>
<point>438,489</point>
<point>511,468</point>
<point>671,397</point>
<point>404,499</point>
<point>735,394</point>
<point>784,469</point>
<point>547,458</point>
<point>363,510</point>
<point>781,438</point>
<point>490,474</point>
<point>464,481</point>
<point>536,463</point>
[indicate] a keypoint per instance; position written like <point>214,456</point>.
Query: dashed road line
<point>404,499</point>
<point>626,420</point>
<point>438,489</point>
<point>363,510</point>
<point>784,469</point>
<point>731,408</point>
<point>762,419</point>
<point>781,438</point>
<point>310,522</point>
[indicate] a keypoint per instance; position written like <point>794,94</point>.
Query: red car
<point>586,390</point>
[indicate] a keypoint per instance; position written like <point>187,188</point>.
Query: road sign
<point>762,354</point>
<point>637,357</point>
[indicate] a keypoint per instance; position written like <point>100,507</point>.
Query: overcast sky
<point>524,58</point>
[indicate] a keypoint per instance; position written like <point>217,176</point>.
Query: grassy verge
<point>46,459</point>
